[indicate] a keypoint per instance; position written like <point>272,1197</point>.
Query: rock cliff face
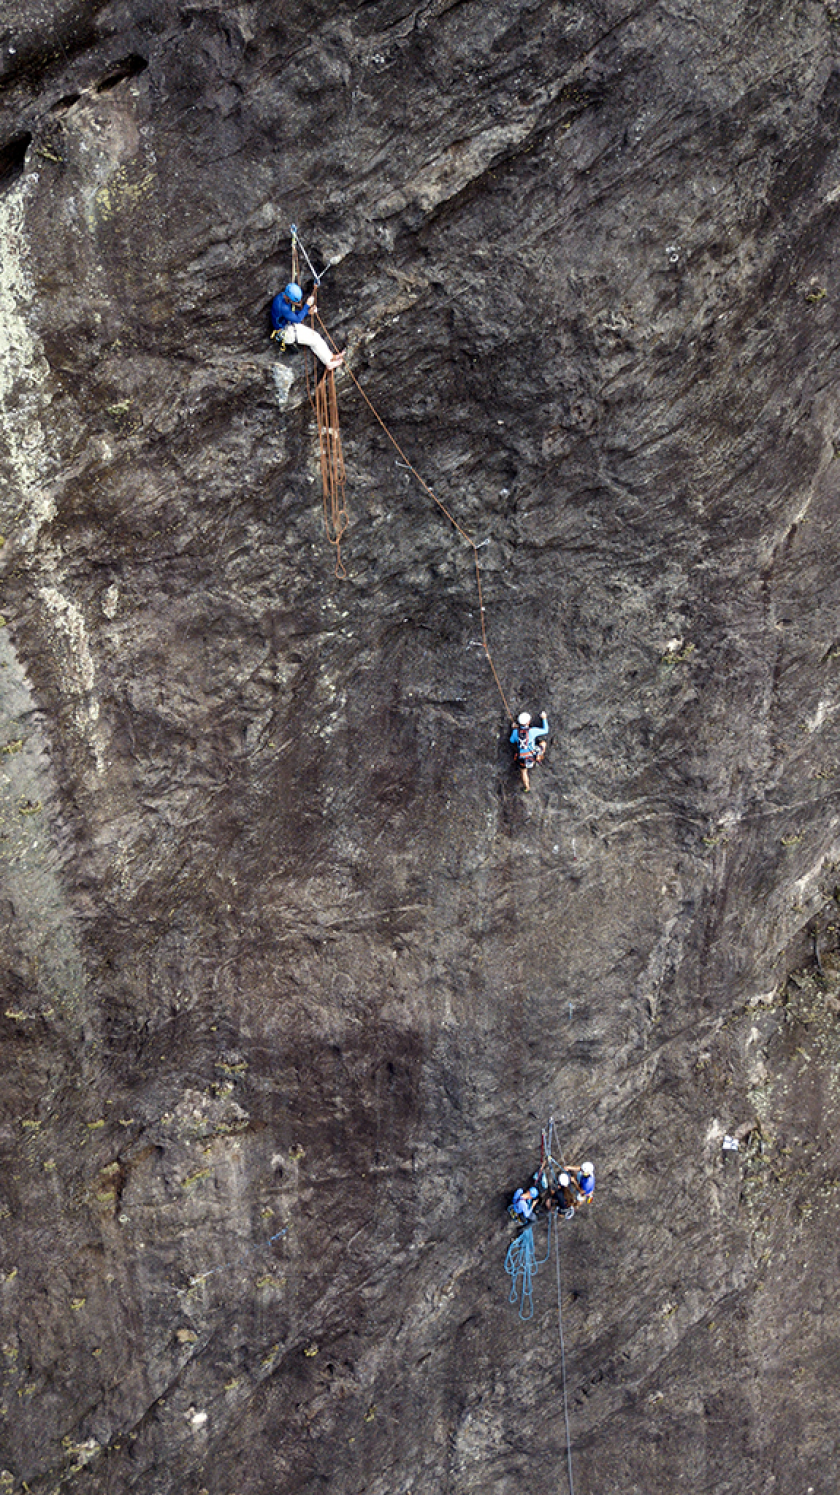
<point>293,972</point>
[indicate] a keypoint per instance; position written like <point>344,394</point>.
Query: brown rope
<point>336,518</point>
<point>452,520</point>
<point>323,400</point>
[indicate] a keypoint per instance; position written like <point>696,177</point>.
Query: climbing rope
<point>444,510</point>
<point>548,1161</point>
<point>336,518</point>
<point>322,398</point>
<point>521,1264</point>
<point>563,1366</point>
<point>297,241</point>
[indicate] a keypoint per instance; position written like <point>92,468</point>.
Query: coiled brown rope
<point>336,518</point>
<point>322,398</point>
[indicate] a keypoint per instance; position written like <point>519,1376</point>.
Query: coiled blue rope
<point>521,1264</point>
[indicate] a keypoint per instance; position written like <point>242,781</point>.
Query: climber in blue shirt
<point>288,310</point>
<point>528,750</point>
<point>523,1204</point>
<point>583,1180</point>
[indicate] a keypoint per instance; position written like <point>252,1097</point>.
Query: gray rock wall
<point>293,972</point>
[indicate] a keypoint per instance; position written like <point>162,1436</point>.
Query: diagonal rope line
<point>452,520</point>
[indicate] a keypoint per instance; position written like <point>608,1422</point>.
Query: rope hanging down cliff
<point>563,1364</point>
<point>521,1265</point>
<point>548,1160</point>
<point>444,510</point>
<point>551,1190</point>
<point>325,404</point>
<point>288,311</point>
<point>336,518</point>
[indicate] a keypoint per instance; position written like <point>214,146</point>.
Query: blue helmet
<point>293,292</point>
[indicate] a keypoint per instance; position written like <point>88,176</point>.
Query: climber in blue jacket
<point>583,1181</point>
<point>528,750</point>
<point>523,1207</point>
<point>288,310</point>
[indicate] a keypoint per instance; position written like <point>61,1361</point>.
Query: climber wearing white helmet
<point>528,750</point>
<point>583,1180</point>
<point>524,1204</point>
<point>562,1197</point>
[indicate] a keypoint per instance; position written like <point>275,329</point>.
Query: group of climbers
<point>567,1192</point>
<point>557,1191</point>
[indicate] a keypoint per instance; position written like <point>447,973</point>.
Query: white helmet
<point>586,1168</point>
<point>524,719</point>
<point>564,1179</point>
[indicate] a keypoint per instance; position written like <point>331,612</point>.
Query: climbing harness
<point>521,1265</point>
<point>526,754</point>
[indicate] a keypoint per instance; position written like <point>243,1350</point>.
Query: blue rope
<point>521,1263</point>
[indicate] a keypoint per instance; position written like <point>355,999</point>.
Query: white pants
<point>301,332</point>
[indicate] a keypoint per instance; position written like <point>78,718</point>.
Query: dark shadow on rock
<point>13,159</point>
<point>128,67</point>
